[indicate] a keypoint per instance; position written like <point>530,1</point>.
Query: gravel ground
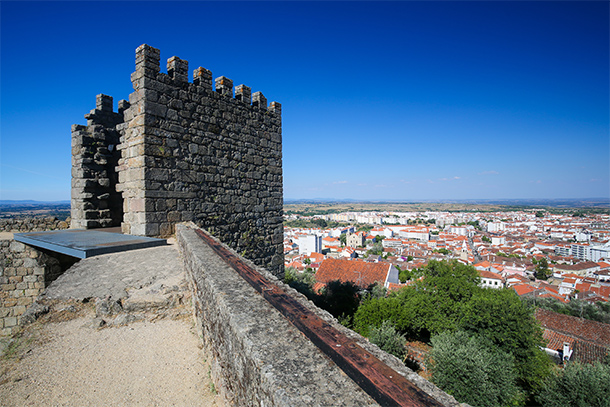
<point>71,363</point>
<point>89,351</point>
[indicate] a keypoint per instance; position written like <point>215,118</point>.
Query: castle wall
<point>24,274</point>
<point>24,270</point>
<point>259,357</point>
<point>187,152</point>
<point>32,224</point>
<point>95,201</point>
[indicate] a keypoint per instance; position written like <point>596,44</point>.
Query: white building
<point>588,252</point>
<point>392,242</point>
<point>382,231</point>
<point>490,279</point>
<point>457,230</point>
<point>498,240</point>
<point>496,226</point>
<point>597,252</point>
<point>583,236</point>
<point>309,244</point>
<point>415,232</point>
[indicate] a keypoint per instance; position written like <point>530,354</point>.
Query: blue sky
<point>380,100</point>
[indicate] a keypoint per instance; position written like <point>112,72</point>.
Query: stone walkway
<point>119,332</point>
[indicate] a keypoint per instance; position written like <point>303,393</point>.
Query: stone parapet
<point>259,357</point>
<point>22,280</point>
<point>33,224</point>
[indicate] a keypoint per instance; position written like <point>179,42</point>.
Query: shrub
<point>473,370</point>
<point>577,385</point>
<point>388,339</point>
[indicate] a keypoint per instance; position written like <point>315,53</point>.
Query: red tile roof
<point>522,289</point>
<point>555,296</point>
<point>554,340</point>
<point>359,272</point>
<point>548,287</point>
<point>317,287</point>
<point>484,264</point>
<point>489,274</point>
<point>315,256</point>
<point>603,265</point>
<point>591,338</point>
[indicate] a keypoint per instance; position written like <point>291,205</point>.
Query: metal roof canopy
<point>83,243</point>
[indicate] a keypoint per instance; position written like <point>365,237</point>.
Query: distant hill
<point>29,208</point>
<point>6,202</point>
<point>548,203</point>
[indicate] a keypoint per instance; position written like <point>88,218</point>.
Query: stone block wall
<point>22,280</point>
<point>33,224</point>
<point>259,357</point>
<point>187,152</point>
<point>95,201</point>
<point>24,270</point>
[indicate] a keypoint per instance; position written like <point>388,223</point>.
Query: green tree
<point>448,299</point>
<point>430,305</point>
<point>542,270</point>
<point>388,339</point>
<point>377,249</point>
<point>444,290</point>
<point>343,239</point>
<point>599,312</point>
<point>486,239</point>
<point>374,311</point>
<point>320,223</point>
<point>364,228</point>
<point>503,319</point>
<point>540,214</point>
<point>341,299</point>
<point>473,371</point>
<point>378,291</point>
<point>577,385</point>
<point>404,275</point>
<point>302,282</point>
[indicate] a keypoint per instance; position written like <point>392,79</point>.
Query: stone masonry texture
<point>24,270</point>
<point>259,357</point>
<point>179,151</point>
<point>24,274</point>
<point>37,224</point>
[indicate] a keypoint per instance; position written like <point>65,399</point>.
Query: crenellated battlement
<point>203,151</point>
<point>148,65</point>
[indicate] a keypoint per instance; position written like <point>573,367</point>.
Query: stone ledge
<point>260,358</point>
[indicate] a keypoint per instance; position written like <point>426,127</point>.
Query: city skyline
<point>381,101</point>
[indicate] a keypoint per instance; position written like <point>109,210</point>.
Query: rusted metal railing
<point>382,383</point>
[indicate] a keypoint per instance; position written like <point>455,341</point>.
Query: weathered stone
<point>177,141</point>
<point>107,306</point>
<point>145,302</point>
<point>33,313</point>
<point>262,359</point>
<point>17,247</point>
<point>10,322</point>
<point>97,323</point>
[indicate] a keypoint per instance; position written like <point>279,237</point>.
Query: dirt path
<point>141,364</point>
<point>84,352</point>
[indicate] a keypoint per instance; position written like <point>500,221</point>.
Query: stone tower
<point>181,151</point>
